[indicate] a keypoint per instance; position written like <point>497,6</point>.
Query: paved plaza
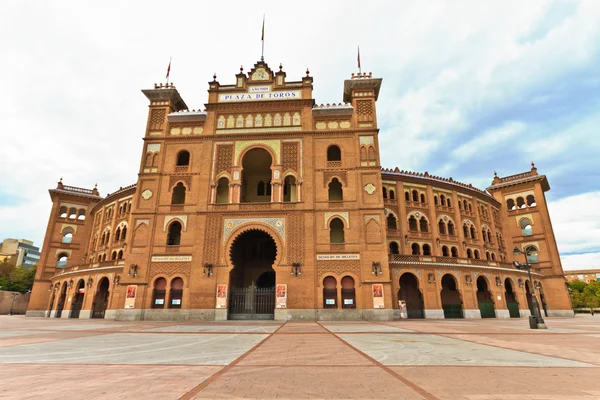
<point>417,359</point>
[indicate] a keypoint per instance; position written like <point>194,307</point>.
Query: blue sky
<point>469,87</point>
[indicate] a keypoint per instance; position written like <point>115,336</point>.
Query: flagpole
<point>262,39</point>
<point>359,68</point>
<point>169,70</point>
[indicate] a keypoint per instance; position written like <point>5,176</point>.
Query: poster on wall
<point>130,298</point>
<point>221,296</point>
<point>281,296</point>
<point>378,295</point>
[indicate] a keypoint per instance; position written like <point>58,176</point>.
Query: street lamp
<point>535,321</point>
<point>14,297</point>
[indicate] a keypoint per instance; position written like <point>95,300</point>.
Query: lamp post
<point>14,297</point>
<point>535,321</point>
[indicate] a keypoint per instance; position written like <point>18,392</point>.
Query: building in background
<point>269,206</point>
<point>19,252</point>
<point>583,275</point>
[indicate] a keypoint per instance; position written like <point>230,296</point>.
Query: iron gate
<point>252,303</point>
<point>487,310</point>
<point>513,309</point>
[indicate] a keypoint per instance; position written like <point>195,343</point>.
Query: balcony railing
<point>447,260</point>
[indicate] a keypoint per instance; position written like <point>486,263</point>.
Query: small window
<point>473,232</point>
<point>62,260</point>
<point>334,153</point>
<point>422,198</point>
<point>442,227</point>
<point>476,254</point>
<point>510,204</point>
<point>406,196</point>
<point>392,195</point>
<point>348,292</point>
<point>454,252</point>
<point>329,292</point>
<point>526,229</point>
<point>72,213</point>
<point>531,201</point>
<point>442,200</point>
<point>469,253</point>
<point>335,190</point>
<point>81,215</point>
<point>394,248</point>
<point>176,293</point>
<point>63,213</point>
<point>178,196</point>
<point>336,231</point>
<point>223,191</point>
<point>426,250</point>
<point>415,195</point>
<point>416,250</point>
<point>67,236</point>
<point>435,200</point>
<point>445,251</point>
<point>451,228</point>
<point>423,225</point>
<point>413,224</point>
<point>520,202</point>
<point>174,235</point>
<point>391,222</point>
<point>384,193</point>
<point>183,158</point>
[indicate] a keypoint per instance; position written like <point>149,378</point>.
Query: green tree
<point>21,279</point>
<point>577,286</point>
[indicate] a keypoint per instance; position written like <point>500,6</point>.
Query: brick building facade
<point>266,205</point>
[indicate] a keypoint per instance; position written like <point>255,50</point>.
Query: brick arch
<point>252,146</point>
<point>414,213</point>
<point>254,226</point>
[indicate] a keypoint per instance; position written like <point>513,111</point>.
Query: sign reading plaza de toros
<point>258,93</point>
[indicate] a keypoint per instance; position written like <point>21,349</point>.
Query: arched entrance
<point>101,299</point>
<point>61,300</point>
<point>410,293</point>
<point>484,299</point>
<point>511,299</point>
<point>252,279</point>
<point>77,299</point>
<point>256,176</point>
<point>451,301</point>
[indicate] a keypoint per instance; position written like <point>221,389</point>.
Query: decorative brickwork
<point>157,119</point>
<point>341,175</point>
<point>295,240</point>
<point>224,159</point>
<point>289,157</point>
<point>212,236</point>
<point>186,179</point>
<point>170,269</point>
<point>364,109</point>
<point>338,267</point>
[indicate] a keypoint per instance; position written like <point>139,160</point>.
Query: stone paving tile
<point>371,328</point>
<point>43,336</point>
<point>307,383</point>
<point>215,328</point>
<point>131,348</point>
<point>299,349</point>
<point>515,383</point>
<point>425,349</point>
<point>302,327</point>
<point>49,382</point>
<point>574,347</point>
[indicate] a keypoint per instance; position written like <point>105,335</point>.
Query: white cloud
<point>576,222</point>
<point>492,138</point>
<point>581,261</point>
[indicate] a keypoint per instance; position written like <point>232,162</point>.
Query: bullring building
<point>266,205</point>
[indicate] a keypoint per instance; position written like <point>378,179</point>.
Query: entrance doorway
<point>61,300</point>
<point>252,280</point>
<point>511,299</point>
<point>409,292</point>
<point>484,299</point>
<point>77,300</point>
<point>451,301</point>
<point>101,299</point>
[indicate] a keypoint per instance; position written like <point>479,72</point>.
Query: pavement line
<point>396,375</point>
<point>191,393</point>
<point>447,335</point>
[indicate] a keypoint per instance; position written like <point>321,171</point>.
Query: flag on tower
<point>358,59</point>
<point>169,68</point>
<point>262,36</point>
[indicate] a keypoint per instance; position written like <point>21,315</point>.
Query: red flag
<point>358,57</point>
<point>169,69</point>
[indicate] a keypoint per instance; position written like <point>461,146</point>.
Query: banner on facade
<point>338,257</point>
<point>131,294</point>
<point>221,296</point>
<point>281,296</point>
<point>378,295</point>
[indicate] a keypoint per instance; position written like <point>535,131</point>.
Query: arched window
<point>120,255</point>
<point>81,214</point>
<point>336,231</point>
<point>99,257</point>
<point>493,255</point>
<point>422,198</point>
<point>124,233</point>
<point>483,235</point>
<point>406,196</point>
<point>449,202</point>
<point>426,250</point>
<point>466,231</point>
<point>113,256</point>
<point>451,228</point>
<point>260,188</point>
<point>159,293</point>
<point>72,213</point>
<point>445,251</point>
<point>117,234</point>
<point>532,254</point>
<point>67,235</point>
<point>183,158</point>
<point>423,225</point>
<point>465,205</point>
<point>392,195</point>
<point>290,189</point>
<point>510,204</point>
<point>526,229</point>
<point>487,255</point>
<point>176,293</point>
<point>520,202</point>
<point>416,250</point>
<point>107,237</point>
<point>454,252</point>
<point>442,227</point>
<point>489,235</point>
<point>415,195</point>
<point>104,257</point>
<point>531,201</point>
<point>174,235</point>
<point>63,212</point>
<point>472,232</point>
<point>348,292</point>
<point>442,200</point>
<point>223,191</point>
<point>470,208</point>
<point>460,205</point>
<point>178,196</point>
<point>334,153</point>
<point>394,248</point>
<point>469,253</point>
<point>155,160</point>
<point>384,193</point>
<point>62,260</point>
<point>476,254</point>
<point>103,238</point>
<point>435,200</point>
<point>363,154</point>
<point>391,222</point>
<point>329,292</point>
<point>335,190</point>
<point>412,224</point>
